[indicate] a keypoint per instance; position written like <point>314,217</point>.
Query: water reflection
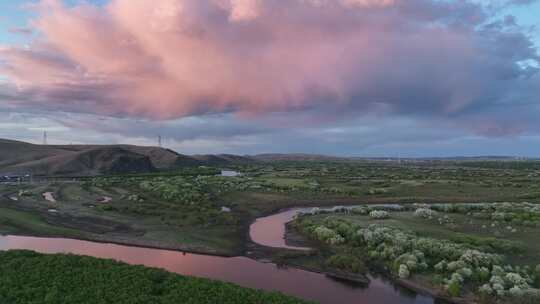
<point>239,270</point>
<point>270,231</point>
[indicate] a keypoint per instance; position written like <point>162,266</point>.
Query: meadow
<point>195,209</point>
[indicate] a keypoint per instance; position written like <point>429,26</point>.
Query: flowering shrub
<point>517,280</point>
<point>376,214</point>
<point>441,266</point>
<point>425,213</point>
<point>485,290</point>
<point>328,236</point>
<point>519,214</point>
<point>459,265</point>
<point>404,271</point>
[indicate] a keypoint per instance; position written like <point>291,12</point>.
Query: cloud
<point>241,10</point>
<point>370,135</point>
<point>168,59</point>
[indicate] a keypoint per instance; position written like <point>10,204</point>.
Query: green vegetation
<point>18,222</point>
<point>191,208</point>
<point>28,277</point>
<point>447,247</point>
<point>519,165</point>
<point>194,209</point>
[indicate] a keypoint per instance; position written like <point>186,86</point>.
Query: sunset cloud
<point>167,59</point>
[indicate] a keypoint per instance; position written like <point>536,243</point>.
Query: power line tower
<point>159,141</point>
<point>44,137</point>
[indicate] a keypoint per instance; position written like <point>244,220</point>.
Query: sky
<point>398,78</point>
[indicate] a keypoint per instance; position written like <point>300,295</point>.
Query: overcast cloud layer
<point>274,75</point>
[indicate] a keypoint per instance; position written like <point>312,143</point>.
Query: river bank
<point>279,256</point>
<point>243,271</point>
<point>316,264</point>
<point>438,249</point>
<point>67,278</point>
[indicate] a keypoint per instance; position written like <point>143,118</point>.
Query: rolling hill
<point>82,160</point>
<point>87,160</point>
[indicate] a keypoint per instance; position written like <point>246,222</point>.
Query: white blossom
<point>486,289</point>
<point>379,214</point>
<point>515,291</point>
<point>403,271</point>
<point>425,213</point>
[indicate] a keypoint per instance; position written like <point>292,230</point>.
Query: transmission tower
<point>44,137</point>
<point>159,141</point>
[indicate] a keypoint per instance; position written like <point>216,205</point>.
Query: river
<point>240,270</point>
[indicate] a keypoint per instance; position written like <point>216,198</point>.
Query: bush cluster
<point>406,254</point>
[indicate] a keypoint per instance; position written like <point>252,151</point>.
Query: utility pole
<point>44,137</point>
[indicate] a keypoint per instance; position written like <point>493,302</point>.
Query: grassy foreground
<point>29,277</point>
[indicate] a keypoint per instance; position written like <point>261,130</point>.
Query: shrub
<point>404,271</point>
<point>465,272</point>
<point>328,236</point>
<point>499,289</point>
<point>515,291</point>
<point>345,262</point>
<point>454,289</point>
<point>441,266</point>
<point>379,214</point>
<point>485,290</point>
<point>425,213</point>
<point>496,280</point>
<point>482,274</point>
<point>516,279</point>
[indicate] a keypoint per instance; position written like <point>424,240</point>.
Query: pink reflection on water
<point>270,231</point>
<point>239,270</point>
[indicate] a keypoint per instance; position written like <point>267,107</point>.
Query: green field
<point>28,277</point>
<point>184,209</point>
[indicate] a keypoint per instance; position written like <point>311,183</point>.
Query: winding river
<point>243,271</point>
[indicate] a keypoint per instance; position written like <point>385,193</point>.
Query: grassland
<point>29,277</point>
<point>195,210</point>
<point>184,209</point>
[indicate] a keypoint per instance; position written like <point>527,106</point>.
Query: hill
<point>85,160</point>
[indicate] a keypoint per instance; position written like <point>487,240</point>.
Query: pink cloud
<point>173,58</point>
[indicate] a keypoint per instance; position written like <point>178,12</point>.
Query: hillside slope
<point>83,160</point>
<point>71,160</point>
